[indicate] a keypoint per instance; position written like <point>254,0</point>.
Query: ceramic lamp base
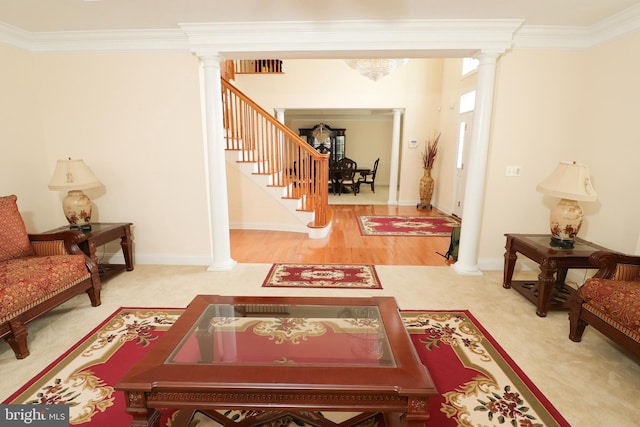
<point>77,209</point>
<point>566,220</point>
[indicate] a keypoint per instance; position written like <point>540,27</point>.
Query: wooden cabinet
<point>326,140</point>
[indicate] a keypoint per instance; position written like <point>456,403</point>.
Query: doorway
<point>465,129</point>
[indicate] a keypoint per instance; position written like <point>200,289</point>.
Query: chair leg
<point>576,324</point>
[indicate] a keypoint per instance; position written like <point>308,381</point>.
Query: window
<point>461,132</point>
<point>467,102</point>
<point>469,65</point>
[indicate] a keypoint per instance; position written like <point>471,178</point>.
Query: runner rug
<point>322,276</point>
<point>479,384</point>
<point>407,225</point>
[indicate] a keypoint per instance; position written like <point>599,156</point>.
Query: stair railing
<point>276,151</point>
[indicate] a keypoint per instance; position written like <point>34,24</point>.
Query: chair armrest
<point>608,262</point>
<point>53,243</point>
<point>69,238</point>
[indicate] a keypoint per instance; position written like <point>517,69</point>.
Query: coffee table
<point>283,354</point>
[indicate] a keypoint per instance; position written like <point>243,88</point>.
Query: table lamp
<point>75,176</point>
<point>571,183</point>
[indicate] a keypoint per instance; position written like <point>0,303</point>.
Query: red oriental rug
<point>479,383</point>
<point>407,225</point>
<point>322,276</point>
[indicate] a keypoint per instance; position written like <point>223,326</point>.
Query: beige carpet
<point>364,197</point>
<point>591,383</point>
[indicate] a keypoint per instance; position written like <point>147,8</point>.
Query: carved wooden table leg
<point>92,251</point>
<point>546,286</point>
<point>137,407</point>
<point>510,258</point>
<point>417,412</point>
<point>127,248</point>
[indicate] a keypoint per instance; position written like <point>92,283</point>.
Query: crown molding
<point>99,41</point>
<point>619,25</point>
<point>544,37</point>
<point>14,37</point>
<point>94,41</point>
<point>414,38</point>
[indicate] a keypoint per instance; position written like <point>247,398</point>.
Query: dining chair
<point>369,177</point>
<point>347,168</point>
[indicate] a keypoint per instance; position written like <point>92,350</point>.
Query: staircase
<point>277,159</point>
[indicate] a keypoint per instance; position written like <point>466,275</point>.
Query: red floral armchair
<point>610,301</point>
<point>38,273</point>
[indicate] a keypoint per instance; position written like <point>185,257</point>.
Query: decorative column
<point>280,114</point>
<point>216,167</point>
<point>395,157</point>
<point>467,262</point>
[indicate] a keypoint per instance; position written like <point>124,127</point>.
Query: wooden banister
<point>277,151</point>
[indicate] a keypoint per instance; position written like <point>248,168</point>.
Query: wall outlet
<point>513,170</point>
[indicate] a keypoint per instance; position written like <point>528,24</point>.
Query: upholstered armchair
<point>38,273</point>
<point>610,301</point>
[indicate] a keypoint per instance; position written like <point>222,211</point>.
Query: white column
<point>280,114</point>
<point>395,157</point>
<point>467,262</point>
<point>215,146</point>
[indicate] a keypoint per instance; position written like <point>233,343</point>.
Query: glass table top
<point>546,242</point>
<point>273,334</point>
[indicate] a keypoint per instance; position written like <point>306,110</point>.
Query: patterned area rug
<point>479,384</point>
<point>322,276</point>
<point>407,225</point>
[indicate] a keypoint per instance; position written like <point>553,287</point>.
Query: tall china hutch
<point>326,140</point>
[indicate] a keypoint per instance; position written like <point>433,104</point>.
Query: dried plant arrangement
<point>431,150</point>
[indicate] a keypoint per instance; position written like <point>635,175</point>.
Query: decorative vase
<point>426,189</point>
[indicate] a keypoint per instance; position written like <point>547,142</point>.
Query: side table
<point>549,292</point>
<point>102,233</point>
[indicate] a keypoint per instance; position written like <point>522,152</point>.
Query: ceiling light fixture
<point>377,68</point>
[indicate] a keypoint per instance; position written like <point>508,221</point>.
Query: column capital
<point>487,57</point>
<point>211,60</point>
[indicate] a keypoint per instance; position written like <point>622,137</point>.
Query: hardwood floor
<point>345,244</point>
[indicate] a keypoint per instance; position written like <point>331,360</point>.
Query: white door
<point>462,159</point>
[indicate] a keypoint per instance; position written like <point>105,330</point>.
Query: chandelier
<point>375,69</point>
<point>321,134</point>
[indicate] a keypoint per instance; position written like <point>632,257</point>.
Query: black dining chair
<point>347,178</point>
<point>369,177</point>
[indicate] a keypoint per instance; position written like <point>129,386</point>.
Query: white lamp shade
<point>72,175</point>
<point>569,181</point>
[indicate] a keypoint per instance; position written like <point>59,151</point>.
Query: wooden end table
<point>102,233</point>
<point>549,292</point>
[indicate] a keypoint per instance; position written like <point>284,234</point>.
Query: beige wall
<point>136,120</point>
<point>23,163</point>
<point>553,106</point>
<point>611,142</point>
